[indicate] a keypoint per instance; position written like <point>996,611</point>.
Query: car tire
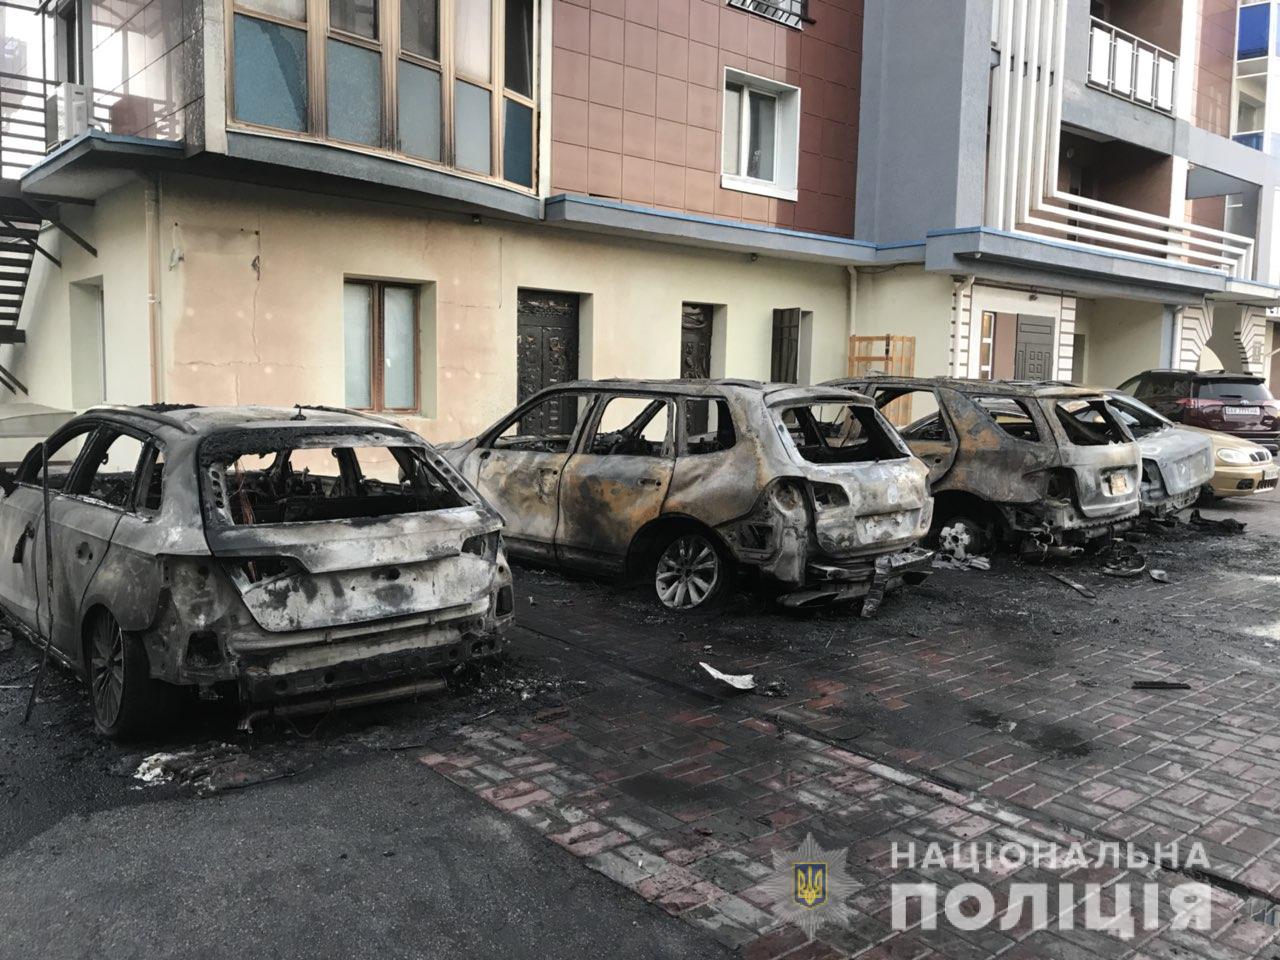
<point>979,538</point>
<point>690,571</point>
<point>125,699</point>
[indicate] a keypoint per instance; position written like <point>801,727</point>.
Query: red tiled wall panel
<point>637,104</point>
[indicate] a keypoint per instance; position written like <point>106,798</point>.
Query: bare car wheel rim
<point>688,572</point>
<point>106,670</point>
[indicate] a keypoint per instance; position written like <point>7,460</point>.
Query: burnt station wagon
<point>289,554</point>
<point>684,481</point>
<point>1047,465</point>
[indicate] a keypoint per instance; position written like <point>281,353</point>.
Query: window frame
<point>490,437</point>
<point>318,33</point>
<point>786,135</point>
<point>377,344</point>
<point>668,451</point>
<point>107,433</point>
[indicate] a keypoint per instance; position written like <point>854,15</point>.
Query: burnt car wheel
<point>690,572</point>
<point>126,700</point>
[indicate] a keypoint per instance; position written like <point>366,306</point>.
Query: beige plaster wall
<point>251,298</point>
<point>116,227</point>
<point>1122,338</point>
<point>907,302</point>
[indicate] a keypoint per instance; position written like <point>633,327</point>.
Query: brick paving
<point>987,706</point>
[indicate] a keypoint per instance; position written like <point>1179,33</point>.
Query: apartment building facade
<point>431,208</point>
<point>1079,206</point>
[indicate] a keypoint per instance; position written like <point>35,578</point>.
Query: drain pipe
<point>151,204</point>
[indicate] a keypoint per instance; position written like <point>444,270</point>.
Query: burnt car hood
<point>1184,458</point>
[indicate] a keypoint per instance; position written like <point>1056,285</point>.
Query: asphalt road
<point>376,858</point>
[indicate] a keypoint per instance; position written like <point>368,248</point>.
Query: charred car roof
<point>200,422</point>
<point>772,393</point>
<point>986,388</point>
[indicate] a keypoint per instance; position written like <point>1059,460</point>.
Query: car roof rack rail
<point>143,413</point>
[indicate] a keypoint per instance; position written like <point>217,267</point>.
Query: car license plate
<point>1242,411</point>
<point>1118,483</point>
<point>1271,473</point>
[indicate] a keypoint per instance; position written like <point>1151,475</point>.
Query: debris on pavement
<point>1225,525</point>
<point>1159,576</point>
<point>740,681</point>
<point>1160,685</point>
<point>1079,588</point>
<point>774,688</point>
<point>208,770</point>
<point>1122,559</point>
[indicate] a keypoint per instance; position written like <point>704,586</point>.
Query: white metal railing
<point>1131,68</point>
<point>1023,193</point>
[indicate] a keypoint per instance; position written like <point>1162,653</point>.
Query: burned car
<point>1176,462</point>
<point>684,481</point>
<point>298,557</point>
<point>1041,465</point>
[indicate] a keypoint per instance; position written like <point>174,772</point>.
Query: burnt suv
<point>1041,465</point>
<point>304,557</point>
<point>684,481</point>
<point>1236,403</point>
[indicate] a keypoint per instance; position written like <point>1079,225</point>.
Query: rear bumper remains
<point>829,581</point>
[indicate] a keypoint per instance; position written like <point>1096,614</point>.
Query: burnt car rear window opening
<point>305,481</point>
<point>838,433</point>
<point>1089,422</point>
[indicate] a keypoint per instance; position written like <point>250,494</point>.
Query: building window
<point>791,13</point>
<point>381,336</point>
<point>461,78</point>
<point>1254,33</point>
<point>761,138</point>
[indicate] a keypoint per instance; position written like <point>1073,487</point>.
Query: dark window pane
<point>517,144</point>
<point>760,110</point>
<point>354,89</point>
<point>420,27</point>
<point>419,111</point>
<point>270,74</point>
<point>472,127</point>
<point>1255,23</point>
<point>519,41</point>
<point>355,16</point>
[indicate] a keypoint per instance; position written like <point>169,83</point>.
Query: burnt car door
<point>1005,444</point>
<point>518,466</point>
<point>618,480</point>
<point>22,553</point>
<point>923,424</point>
<point>84,517</point>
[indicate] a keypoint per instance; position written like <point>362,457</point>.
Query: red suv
<point>1236,403</point>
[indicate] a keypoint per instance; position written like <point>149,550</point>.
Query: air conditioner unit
<point>66,113</point>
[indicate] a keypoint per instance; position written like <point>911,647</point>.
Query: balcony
<point>1131,68</point>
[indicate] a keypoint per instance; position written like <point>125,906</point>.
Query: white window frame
<point>786,136</point>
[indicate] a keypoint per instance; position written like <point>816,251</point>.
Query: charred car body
<point>1176,462</point>
<point>1046,465</point>
<point>308,554</point>
<point>687,480</point>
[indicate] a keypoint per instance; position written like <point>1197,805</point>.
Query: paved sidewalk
<point>985,706</point>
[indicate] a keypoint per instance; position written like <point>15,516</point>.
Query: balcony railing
<point>22,123</point>
<point>1131,68</point>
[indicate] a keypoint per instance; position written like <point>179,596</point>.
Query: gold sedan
<point>1241,467</point>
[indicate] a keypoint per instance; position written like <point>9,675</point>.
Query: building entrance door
<point>546,340</point>
<point>1033,349</point>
